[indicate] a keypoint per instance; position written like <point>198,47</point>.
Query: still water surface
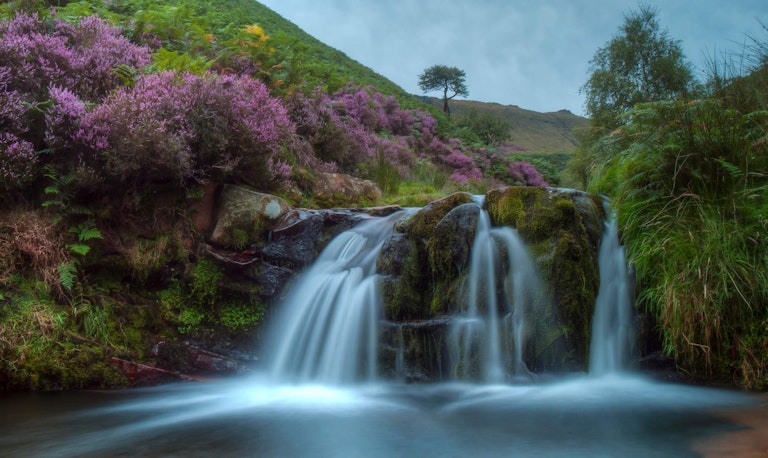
<point>609,416</point>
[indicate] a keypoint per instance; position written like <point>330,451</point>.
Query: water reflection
<point>611,416</point>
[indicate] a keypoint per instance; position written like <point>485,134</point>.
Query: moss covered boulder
<point>562,229</point>
<point>426,244</point>
<point>243,215</point>
<point>426,262</point>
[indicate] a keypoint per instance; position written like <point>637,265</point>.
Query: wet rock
<point>415,351</point>
<point>426,261</point>
<point>297,239</point>
<point>145,375</point>
<point>190,359</point>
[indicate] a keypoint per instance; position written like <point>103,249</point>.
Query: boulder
<point>297,239</point>
<point>339,190</point>
<point>426,260</point>
<point>244,216</point>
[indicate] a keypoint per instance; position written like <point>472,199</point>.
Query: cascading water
<point>329,325</point>
<point>613,323</point>
<point>479,337</point>
<point>327,331</point>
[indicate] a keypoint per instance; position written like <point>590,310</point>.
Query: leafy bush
<point>186,128</point>
<point>80,57</point>
<point>688,185</point>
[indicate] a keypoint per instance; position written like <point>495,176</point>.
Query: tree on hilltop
<point>640,64</point>
<point>447,79</point>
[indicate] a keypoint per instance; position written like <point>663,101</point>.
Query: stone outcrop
<point>425,263</point>
<point>243,215</point>
<point>339,190</point>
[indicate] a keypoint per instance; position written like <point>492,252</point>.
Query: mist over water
<point>580,416</point>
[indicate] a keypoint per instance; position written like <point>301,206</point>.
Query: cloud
<point>530,53</point>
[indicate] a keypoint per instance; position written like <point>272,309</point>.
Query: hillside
<point>122,123</point>
<point>531,130</point>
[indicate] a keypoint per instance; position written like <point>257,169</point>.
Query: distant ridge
<point>553,132</point>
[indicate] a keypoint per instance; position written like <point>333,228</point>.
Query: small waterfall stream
<point>311,403</point>
<point>495,318</point>
<point>613,329</point>
<point>328,326</point>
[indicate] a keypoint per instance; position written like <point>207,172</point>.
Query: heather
<point>114,112</point>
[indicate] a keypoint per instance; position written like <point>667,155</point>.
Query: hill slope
<point>531,130</point>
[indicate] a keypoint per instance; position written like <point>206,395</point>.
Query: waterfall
<point>501,283</point>
<point>328,327</point>
<point>613,327</point>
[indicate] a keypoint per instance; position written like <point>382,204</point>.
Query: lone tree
<point>640,64</point>
<point>449,79</point>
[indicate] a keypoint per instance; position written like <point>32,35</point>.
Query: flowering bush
<point>189,128</point>
<point>78,57</point>
<point>509,171</point>
<point>526,174</point>
<point>17,161</point>
<point>63,117</point>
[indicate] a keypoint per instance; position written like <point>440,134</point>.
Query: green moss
<point>507,207</point>
<point>421,224</point>
<point>406,290</point>
<point>202,303</point>
<point>549,221</point>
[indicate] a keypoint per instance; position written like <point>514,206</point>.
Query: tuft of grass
<point>687,182</point>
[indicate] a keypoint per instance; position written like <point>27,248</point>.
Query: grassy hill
<point>530,130</point>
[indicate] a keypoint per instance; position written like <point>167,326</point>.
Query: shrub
<point>17,162</point>
<point>186,128</point>
<point>687,183</point>
<point>79,57</point>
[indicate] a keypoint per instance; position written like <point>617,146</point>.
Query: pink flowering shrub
<point>78,57</point>
<point>187,128</point>
<point>17,161</point>
<point>63,117</point>
<point>526,174</point>
<point>512,172</point>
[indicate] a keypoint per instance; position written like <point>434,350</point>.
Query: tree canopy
<point>447,79</point>
<point>640,64</point>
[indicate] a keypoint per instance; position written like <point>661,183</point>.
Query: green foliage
<point>446,79</point>
<point>240,317</point>
<point>165,60</point>
<point>641,64</point>
<point>489,128</point>
<point>68,274</point>
<point>385,174</point>
<point>198,304</point>
<point>687,182</point>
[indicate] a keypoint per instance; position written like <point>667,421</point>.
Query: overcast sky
<point>530,53</point>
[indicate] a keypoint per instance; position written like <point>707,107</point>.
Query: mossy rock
<point>562,229</point>
<point>416,256</point>
<point>406,279</point>
<point>244,216</point>
<point>421,224</point>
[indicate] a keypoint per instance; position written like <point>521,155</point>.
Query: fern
<point>126,74</point>
<point>79,248</point>
<point>734,171</point>
<point>85,233</point>
<point>67,274</point>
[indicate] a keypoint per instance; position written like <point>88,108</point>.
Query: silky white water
<point>495,317</point>
<point>613,329</point>
<point>328,325</point>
